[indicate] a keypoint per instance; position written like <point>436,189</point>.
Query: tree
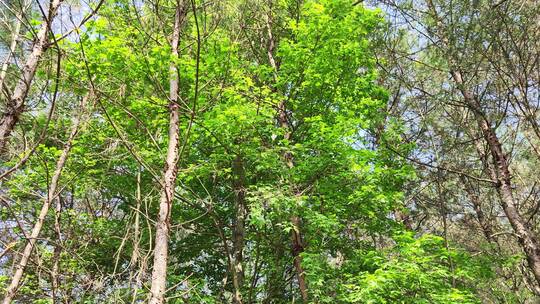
<point>250,152</point>
<point>456,77</point>
<point>16,102</point>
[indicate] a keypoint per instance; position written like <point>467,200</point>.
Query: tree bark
<point>500,170</point>
<point>297,246</point>
<point>135,255</point>
<point>51,195</point>
<point>297,249</point>
<point>239,227</point>
<point>14,39</point>
<point>57,251</point>
<point>159,271</point>
<point>16,103</point>
<point>501,173</point>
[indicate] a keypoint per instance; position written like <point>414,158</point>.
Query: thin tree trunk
<point>51,195</point>
<point>135,256</point>
<point>403,218</point>
<point>444,218</point>
<point>500,168</point>
<point>159,271</point>
<point>14,39</point>
<point>297,246</point>
<point>297,249</point>
<point>239,227</point>
<point>477,206</point>
<point>16,103</point>
<point>501,173</point>
<point>526,238</point>
<point>57,250</point>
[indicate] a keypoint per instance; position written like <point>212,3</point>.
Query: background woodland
<point>269,151</point>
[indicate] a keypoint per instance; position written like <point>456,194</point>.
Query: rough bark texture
<point>159,271</point>
<point>501,174</point>
<point>51,195</point>
<point>15,105</point>
<point>525,236</point>
<point>239,227</point>
<point>499,169</point>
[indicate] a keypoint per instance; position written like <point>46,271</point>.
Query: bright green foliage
<point>418,270</point>
<point>345,184</point>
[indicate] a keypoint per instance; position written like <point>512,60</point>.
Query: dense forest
<point>270,151</point>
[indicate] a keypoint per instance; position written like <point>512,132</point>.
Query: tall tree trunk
<point>239,227</point>
<point>15,105</point>
<point>501,174</point>
<point>135,255</point>
<point>526,237</point>
<point>14,39</point>
<point>57,250</point>
<point>297,246</point>
<point>297,249</point>
<point>500,170</point>
<point>51,195</point>
<point>159,271</point>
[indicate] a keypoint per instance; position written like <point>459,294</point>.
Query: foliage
<point>289,158</point>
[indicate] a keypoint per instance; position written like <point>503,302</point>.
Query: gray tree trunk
<point>11,291</point>
<point>239,227</point>
<point>14,40</point>
<point>16,103</point>
<point>159,271</point>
